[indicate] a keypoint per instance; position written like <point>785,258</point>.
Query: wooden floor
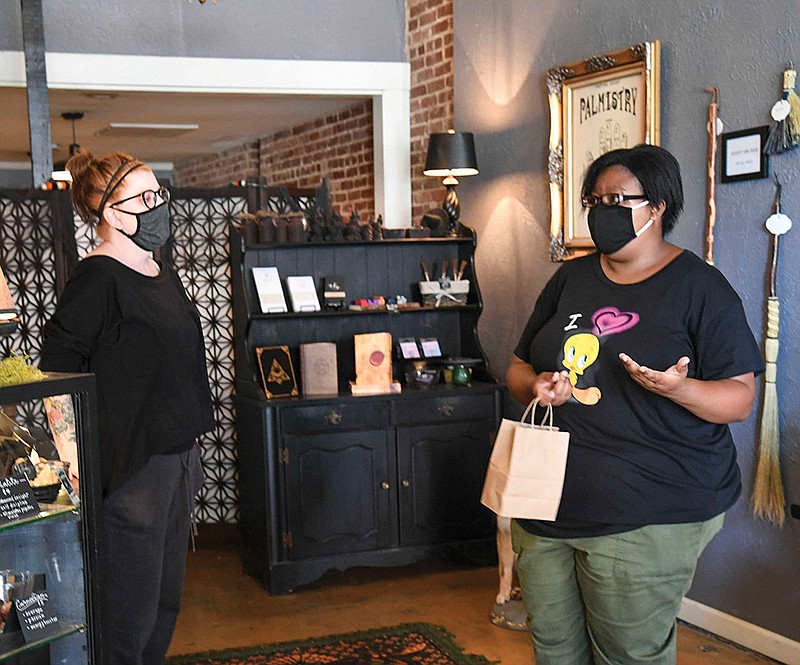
<point>223,608</point>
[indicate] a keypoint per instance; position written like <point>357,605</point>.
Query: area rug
<point>417,643</point>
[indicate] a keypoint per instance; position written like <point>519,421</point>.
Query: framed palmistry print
<point>597,105</point>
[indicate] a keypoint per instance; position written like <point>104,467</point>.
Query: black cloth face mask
<point>612,228</point>
<point>152,227</point>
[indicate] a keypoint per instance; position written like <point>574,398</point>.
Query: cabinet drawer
<point>444,409</point>
<point>335,417</point>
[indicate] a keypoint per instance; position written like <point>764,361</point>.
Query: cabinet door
<point>339,490</point>
<point>441,470</point>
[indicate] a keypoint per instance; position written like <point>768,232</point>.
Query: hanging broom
<point>784,135</point>
<point>768,497</point>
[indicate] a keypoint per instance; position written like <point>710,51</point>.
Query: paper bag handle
<point>531,409</point>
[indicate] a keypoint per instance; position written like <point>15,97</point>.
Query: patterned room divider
<point>42,239</point>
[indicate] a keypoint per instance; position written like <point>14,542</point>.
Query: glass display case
<point>49,559</point>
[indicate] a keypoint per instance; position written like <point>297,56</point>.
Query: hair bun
<point>79,163</point>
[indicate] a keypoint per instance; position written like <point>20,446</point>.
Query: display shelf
<point>366,312</point>
<point>14,645</point>
<point>51,512</point>
<point>58,546</point>
<point>466,240</point>
<point>333,482</point>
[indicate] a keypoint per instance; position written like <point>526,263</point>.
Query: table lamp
<point>450,155</point>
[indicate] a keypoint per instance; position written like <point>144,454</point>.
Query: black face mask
<point>152,228</point>
<point>611,227</point>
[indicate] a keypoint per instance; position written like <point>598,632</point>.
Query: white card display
<point>270,292</point>
<point>303,293</point>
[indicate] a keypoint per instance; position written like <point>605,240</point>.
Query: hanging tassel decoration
<point>784,135</point>
<point>768,496</point>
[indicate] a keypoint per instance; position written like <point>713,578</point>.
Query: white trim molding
<point>740,632</point>
<point>387,83</point>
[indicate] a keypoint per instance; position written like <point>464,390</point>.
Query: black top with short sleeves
<point>635,457</point>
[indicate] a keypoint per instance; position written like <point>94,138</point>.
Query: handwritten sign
<point>35,616</point>
<point>16,500</point>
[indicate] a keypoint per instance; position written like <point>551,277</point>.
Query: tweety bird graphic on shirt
<point>580,351</point>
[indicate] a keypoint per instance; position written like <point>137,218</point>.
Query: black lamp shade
<point>451,153</point>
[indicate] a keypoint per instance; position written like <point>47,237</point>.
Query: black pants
<point>143,556</point>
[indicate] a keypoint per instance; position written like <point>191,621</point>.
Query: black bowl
<point>46,493</point>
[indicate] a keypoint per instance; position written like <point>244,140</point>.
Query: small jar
<point>419,375</point>
<point>280,230</point>
<point>266,230</point>
<point>462,375</point>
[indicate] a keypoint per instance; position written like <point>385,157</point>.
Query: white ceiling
<point>224,120</point>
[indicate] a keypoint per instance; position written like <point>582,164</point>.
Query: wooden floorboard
<point>223,608</point>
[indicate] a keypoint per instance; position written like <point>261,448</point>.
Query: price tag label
<point>16,500</point>
<point>67,485</point>
<point>36,616</point>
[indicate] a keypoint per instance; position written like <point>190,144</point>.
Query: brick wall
<point>233,164</point>
<point>429,40</point>
<point>339,146</point>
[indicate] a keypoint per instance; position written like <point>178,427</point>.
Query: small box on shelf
<point>452,294</point>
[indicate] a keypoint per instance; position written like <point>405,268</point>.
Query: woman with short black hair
<point>646,353</point>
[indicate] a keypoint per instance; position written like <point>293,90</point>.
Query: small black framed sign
<point>743,156</point>
<point>277,372</point>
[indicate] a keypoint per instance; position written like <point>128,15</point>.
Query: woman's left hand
<point>666,383</point>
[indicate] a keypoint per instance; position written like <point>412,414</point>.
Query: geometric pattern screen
<point>28,261</point>
<point>200,255</point>
<point>199,251</point>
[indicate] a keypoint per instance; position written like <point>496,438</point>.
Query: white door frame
<point>387,83</point>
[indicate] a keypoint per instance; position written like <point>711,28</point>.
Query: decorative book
<point>270,292</point>
<point>277,372</point>
<point>303,293</point>
<point>318,370</point>
<point>373,365</point>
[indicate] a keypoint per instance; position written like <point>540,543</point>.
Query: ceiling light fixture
<point>73,116</point>
<point>167,126</point>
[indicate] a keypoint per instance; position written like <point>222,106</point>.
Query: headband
<point>109,190</point>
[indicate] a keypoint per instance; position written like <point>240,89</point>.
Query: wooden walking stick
<point>713,119</point>
<point>768,496</point>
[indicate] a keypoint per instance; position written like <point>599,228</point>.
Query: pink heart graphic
<point>609,321</point>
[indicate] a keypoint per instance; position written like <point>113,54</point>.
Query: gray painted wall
<point>346,30</point>
<point>502,52</point>
<point>269,29</point>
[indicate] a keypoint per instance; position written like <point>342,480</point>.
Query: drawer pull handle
<point>333,418</point>
<point>384,485</point>
<point>405,483</point>
<point>447,409</point>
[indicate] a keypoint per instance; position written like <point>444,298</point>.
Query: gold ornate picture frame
<point>599,104</point>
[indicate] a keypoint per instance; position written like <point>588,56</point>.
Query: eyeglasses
<point>609,200</point>
<point>151,199</point>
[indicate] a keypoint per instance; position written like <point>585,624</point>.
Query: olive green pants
<point>608,600</point>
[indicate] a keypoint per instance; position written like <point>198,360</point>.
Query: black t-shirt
<point>635,457</point>
<point>141,336</point>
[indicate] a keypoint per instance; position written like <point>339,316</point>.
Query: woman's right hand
<point>552,388</point>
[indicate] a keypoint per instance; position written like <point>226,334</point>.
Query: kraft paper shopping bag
<point>525,477</point>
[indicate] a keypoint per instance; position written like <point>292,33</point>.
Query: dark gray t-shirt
<point>637,458</point>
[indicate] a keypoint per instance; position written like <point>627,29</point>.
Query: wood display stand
<point>340,481</point>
